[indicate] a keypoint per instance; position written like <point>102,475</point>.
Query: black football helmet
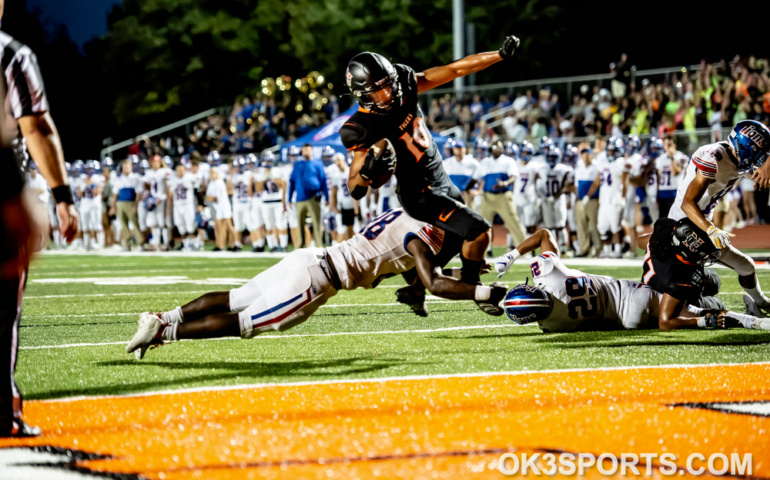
<point>373,80</point>
<point>693,244</point>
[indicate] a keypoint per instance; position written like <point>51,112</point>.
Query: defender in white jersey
<point>571,300</point>
<point>713,171</point>
<point>181,188</point>
<point>90,191</point>
<point>287,294</point>
<point>613,168</point>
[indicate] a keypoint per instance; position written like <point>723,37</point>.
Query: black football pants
<point>444,208</point>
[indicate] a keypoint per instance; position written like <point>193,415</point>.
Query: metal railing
<point>185,122</point>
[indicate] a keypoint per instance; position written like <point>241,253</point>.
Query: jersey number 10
<point>419,140</point>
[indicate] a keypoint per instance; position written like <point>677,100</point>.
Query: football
<point>380,149</point>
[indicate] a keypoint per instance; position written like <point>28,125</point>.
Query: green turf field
<point>80,310</point>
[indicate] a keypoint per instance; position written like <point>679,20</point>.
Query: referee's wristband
<point>62,193</point>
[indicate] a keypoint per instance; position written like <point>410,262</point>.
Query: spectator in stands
<point>308,179</point>
<point>621,76</point>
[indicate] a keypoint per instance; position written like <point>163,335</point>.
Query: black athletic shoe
<point>417,304</point>
<point>276,250</point>
<point>490,254</point>
<point>179,247</point>
<point>21,430</point>
<point>258,249</point>
<point>236,248</point>
<point>217,249</point>
<point>492,306</point>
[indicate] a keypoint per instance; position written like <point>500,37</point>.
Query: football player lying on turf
<point>565,300</point>
<point>286,294</point>
<point>674,265</point>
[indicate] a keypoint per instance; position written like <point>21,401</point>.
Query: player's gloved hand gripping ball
<point>510,44</point>
<point>379,165</point>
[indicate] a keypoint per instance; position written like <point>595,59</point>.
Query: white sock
<point>284,239</point>
<point>87,240</point>
<point>757,295</point>
<point>165,236</point>
<point>173,316</point>
<point>57,238</point>
<point>170,332</point>
<point>746,320</point>
<point>482,293</point>
<point>606,249</point>
<point>270,241</point>
<point>616,248</point>
<point>100,239</point>
<point>155,236</point>
<point>260,243</point>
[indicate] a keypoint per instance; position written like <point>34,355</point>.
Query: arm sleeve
<point>353,136</point>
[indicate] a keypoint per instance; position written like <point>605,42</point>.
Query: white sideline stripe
<point>120,294</point>
<point>267,337</point>
<point>402,379</point>
<point>336,305</point>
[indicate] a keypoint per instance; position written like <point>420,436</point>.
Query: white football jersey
<point>88,186</point>
<point>241,188</point>
<point>183,190</point>
<point>715,163</point>
<point>553,179</point>
<point>524,188</point>
<point>271,192</point>
<point>669,183</point>
<point>340,180</point>
<point>579,297</point>
<point>379,251</point>
<point>157,180</point>
<point>611,173</point>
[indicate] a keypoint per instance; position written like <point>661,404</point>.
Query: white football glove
<point>503,263</point>
<point>585,201</point>
<point>719,237</point>
<point>620,201</point>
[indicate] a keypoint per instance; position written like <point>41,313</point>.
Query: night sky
<point>84,19</point>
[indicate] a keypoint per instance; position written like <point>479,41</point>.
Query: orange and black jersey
<point>683,281</point>
<point>419,162</point>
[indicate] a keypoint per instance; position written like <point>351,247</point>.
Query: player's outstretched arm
<point>437,76</point>
<point>695,192</point>
<point>542,239</point>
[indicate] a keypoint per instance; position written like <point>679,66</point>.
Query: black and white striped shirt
<point>23,88</point>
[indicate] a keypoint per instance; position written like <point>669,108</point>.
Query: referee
<point>27,115</point>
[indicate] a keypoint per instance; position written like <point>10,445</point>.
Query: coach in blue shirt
<point>308,179</point>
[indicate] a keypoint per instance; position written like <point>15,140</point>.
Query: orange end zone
<point>451,427</point>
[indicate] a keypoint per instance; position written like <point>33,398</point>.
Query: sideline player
<point>157,178</point>
<point>286,294</point>
<point>90,192</point>
<point>389,109</point>
<point>241,199</point>
<point>714,170</point>
<point>524,195</point>
<point>181,189</point>
<point>614,170</point>
<point>566,300</point>
<point>553,186</point>
<point>273,185</point>
<point>344,206</point>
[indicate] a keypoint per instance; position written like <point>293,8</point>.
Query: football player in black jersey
<point>674,265</point>
<point>387,95</point>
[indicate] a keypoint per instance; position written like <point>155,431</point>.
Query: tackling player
<point>714,170</point>
<point>566,300</point>
<point>389,109</point>
<point>286,294</point>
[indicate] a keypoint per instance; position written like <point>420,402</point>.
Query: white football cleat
<point>752,308</point>
<point>149,325</point>
<point>503,264</point>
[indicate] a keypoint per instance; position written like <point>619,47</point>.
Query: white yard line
<point>309,335</point>
<point>409,378</point>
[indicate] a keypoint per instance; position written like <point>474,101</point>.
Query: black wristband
<point>62,193</point>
